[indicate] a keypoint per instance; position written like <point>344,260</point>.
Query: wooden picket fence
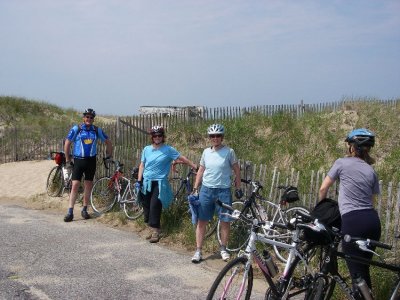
<point>129,136</point>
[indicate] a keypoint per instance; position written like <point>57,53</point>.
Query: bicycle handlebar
<point>117,163</point>
<point>348,238</point>
<point>251,221</point>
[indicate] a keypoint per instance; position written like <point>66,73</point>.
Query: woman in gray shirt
<point>358,185</point>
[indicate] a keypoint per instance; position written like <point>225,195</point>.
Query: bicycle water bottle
<point>363,288</point>
<point>65,174</point>
<point>263,213</point>
<point>269,263</point>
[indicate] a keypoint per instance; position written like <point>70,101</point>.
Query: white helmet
<point>216,129</point>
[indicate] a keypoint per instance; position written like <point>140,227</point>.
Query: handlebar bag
<point>327,212</point>
<point>290,194</point>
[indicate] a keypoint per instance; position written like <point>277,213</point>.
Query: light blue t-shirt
<point>358,183</point>
<point>218,167</point>
<point>157,162</point>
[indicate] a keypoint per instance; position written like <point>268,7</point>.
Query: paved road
<point>42,257</point>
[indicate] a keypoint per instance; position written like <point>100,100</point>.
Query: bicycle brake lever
<point>363,246</point>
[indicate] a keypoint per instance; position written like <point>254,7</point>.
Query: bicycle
<point>107,191</point>
<point>324,282</point>
<point>59,179</point>
<point>235,281</point>
<point>182,187</point>
<point>278,214</point>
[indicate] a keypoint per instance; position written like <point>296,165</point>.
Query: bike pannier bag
<point>59,158</point>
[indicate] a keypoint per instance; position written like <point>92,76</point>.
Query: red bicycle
<point>107,191</point>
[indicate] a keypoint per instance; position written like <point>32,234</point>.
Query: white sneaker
<point>196,257</point>
<point>225,255</point>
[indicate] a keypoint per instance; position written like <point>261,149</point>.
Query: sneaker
<point>68,217</point>
<point>225,255</point>
<point>196,257</point>
<point>155,237</point>
<point>85,214</point>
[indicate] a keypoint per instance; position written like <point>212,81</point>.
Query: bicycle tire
<point>211,227</point>
<point>132,207</point>
<point>322,289</point>
<point>54,184</point>
<point>228,283</point>
<point>281,253</point>
<point>239,232</point>
<point>103,195</point>
<point>81,190</point>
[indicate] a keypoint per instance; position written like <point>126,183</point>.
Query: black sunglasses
<point>89,117</point>
<point>157,135</point>
<point>215,135</point>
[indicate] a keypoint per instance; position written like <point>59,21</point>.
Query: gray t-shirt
<point>358,183</point>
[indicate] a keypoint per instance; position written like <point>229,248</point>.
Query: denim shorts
<point>208,206</point>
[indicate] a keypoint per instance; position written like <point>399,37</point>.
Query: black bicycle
<point>328,276</point>
<point>254,207</point>
<point>182,187</point>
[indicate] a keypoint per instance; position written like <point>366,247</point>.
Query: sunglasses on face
<point>157,135</point>
<point>215,136</point>
<point>89,117</point>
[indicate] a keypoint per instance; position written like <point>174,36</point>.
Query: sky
<point>116,56</point>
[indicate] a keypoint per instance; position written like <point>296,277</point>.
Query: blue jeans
<point>208,206</point>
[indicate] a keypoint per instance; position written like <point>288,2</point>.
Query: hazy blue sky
<point>115,56</point>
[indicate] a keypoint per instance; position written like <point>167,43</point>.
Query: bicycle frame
<point>284,284</point>
<point>184,183</point>
<point>333,252</point>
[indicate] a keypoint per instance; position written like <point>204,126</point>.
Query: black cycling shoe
<point>85,214</point>
<point>68,217</point>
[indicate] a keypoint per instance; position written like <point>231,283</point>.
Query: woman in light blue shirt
<point>153,173</point>
<point>214,175</point>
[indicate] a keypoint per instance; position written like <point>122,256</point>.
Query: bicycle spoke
<point>103,195</point>
<point>235,281</point>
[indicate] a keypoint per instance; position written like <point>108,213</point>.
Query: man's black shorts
<point>85,166</point>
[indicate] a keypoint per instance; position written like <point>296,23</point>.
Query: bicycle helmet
<point>216,129</point>
<point>157,129</point>
<point>89,111</point>
<point>361,137</point>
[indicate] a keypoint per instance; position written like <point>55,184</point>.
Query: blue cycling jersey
<point>85,139</point>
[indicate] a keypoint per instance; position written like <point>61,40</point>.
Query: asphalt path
<point>41,257</point>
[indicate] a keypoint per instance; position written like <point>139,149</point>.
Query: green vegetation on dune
<point>21,112</point>
<point>311,142</point>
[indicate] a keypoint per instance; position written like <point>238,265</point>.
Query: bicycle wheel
<point>235,281</point>
<point>284,235</point>
<point>103,195</point>
<point>79,196</point>
<point>132,207</point>
<point>321,289</point>
<point>54,183</point>
<point>211,227</point>
<point>239,231</point>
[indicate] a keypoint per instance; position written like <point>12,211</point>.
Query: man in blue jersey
<point>84,138</point>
